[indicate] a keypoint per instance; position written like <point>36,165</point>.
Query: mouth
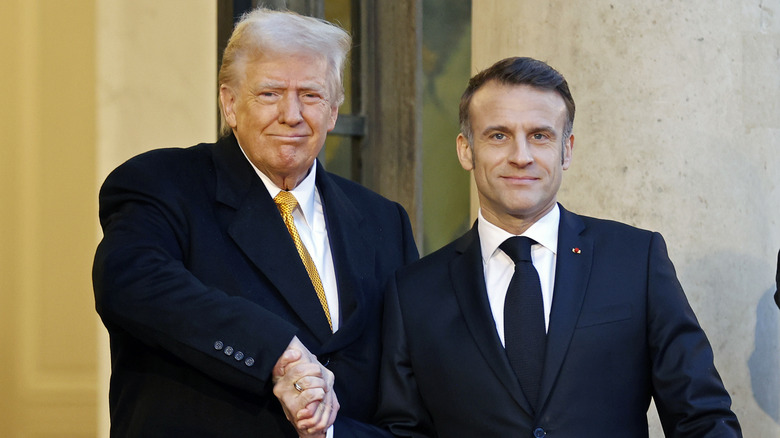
<point>289,139</point>
<point>288,136</point>
<point>519,179</point>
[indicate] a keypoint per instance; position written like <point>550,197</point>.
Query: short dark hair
<point>517,71</point>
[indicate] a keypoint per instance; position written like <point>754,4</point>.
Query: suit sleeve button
<point>218,345</point>
<point>539,432</point>
<point>249,361</point>
<point>238,356</point>
<point>228,350</point>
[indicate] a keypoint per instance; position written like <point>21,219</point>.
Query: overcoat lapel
<point>572,272</point>
<point>468,279</point>
<point>353,260</point>
<point>258,229</point>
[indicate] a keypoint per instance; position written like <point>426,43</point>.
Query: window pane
<point>446,70</point>
<point>338,155</point>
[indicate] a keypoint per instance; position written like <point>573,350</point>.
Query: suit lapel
<point>258,229</point>
<point>353,260</point>
<point>574,260</point>
<point>468,279</point>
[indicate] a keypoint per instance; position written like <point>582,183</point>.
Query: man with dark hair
<point>230,275</point>
<point>538,321</point>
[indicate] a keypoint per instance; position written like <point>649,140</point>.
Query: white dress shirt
<point>310,221</point>
<point>499,268</point>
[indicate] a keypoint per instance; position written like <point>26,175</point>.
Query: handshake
<point>304,387</point>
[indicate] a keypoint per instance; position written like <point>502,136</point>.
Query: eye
<point>541,137</point>
<point>498,136</point>
<point>267,96</point>
<point>311,97</point>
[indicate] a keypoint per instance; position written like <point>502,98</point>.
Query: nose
<point>290,109</point>
<point>520,153</point>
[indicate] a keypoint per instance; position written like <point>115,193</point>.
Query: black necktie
<point>524,331</point>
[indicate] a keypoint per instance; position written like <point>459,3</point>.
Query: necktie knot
<point>518,248</point>
<point>286,202</point>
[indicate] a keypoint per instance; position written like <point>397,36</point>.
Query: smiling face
<point>281,111</point>
<point>519,153</point>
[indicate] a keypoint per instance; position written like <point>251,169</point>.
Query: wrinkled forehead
<point>307,66</point>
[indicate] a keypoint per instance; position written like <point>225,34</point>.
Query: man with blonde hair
<point>237,278</point>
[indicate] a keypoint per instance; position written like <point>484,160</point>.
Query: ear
<point>227,99</point>
<point>465,152</point>
<point>334,115</point>
<point>568,149</point>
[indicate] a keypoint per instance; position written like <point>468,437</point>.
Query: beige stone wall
<point>86,84</point>
<point>47,219</point>
<point>157,66</point>
<point>677,130</point>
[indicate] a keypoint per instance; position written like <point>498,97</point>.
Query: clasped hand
<point>304,387</point>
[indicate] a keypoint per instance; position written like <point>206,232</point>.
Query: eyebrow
<point>492,128</point>
<point>277,85</point>
<point>545,128</point>
<point>504,128</point>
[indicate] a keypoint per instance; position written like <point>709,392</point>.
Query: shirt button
<point>539,432</point>
<point>238,356</point>
<point>218,345</point>
<point>228,350</point>
<point>249,361</point>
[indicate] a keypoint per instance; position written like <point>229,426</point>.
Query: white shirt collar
<point>544,231</point>
<point>304,192</point>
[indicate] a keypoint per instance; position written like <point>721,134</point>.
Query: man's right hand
<point>304,388</point>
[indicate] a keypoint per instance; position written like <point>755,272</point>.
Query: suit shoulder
<point>167,160</point>
<point>620,236</point>
<point>168,176</point>
<point>168,165</point>
<point>356,191</point>
<point>613,227</point>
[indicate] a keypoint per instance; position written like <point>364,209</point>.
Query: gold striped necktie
<point>286,203</point>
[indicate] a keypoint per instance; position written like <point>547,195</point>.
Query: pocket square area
<point>604,315</point>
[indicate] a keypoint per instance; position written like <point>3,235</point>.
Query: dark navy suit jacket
<point>621,332</point>
<point>201,289</point>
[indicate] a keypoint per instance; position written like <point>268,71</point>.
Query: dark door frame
<point>386,63</point>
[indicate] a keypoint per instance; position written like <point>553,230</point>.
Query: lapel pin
<point>576,250</point>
